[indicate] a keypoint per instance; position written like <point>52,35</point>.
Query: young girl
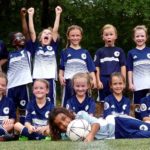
<point>36,121</point>
<point>81,100</point>
<point>7,108</point>
<point>44,65</point>
<point>74,59</point>
<point>108,59</point>
<point>138,64</point>
<point>109,128</point>
<point>116,104</point>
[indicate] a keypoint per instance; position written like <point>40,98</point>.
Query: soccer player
<point>108,59</point>
<point>36,122</point>
<point>81,100</point>
<point>74,59</point>
<point>116,104</point>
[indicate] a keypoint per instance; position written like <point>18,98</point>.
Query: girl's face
<point>117,85</point>
<point>46,37</point>
<point>75,37</point>
<point>109,37</point>
<point>40,89</point>
<point>3,86</point>
<point>62,121</point>
<point>80,86</point>
<point>140,37</point>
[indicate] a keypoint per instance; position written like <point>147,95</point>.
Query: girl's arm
<point>61,77</point>
<point>123,71</point>
<point>31,128</point>
<point>58,11</point>
<point>93,82</point>
<point>95,127</point>
<point>31,24</point>
<point>99,83</point>
<point>23,13</point>
<point>130,80</point>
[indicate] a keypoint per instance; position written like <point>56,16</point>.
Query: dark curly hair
<point>54,129</point>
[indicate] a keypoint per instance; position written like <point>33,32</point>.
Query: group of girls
<point>78,74</point>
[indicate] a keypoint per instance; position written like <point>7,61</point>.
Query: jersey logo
<point>86,107</point>
<point>113,106</point>
<point>69,55</point>
<point>83,56</point>
<point>134,57</point>
<point>106,106</point>
<point>33,113</point>
<point>143,127</point>
<point>117,54</point>
<point>124,107</point>
<point>46,114</point>
<point>6,110</point>
<point>67,106</point>
<point>22,102</point>
<point>49,48</point>
<point>148,55</point>
<point>143,107</point>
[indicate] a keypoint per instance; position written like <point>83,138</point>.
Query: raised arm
<point>58,11</point>
<point>25,29</point>
<point>31,24</point>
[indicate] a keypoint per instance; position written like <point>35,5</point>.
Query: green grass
<point>124,144</point>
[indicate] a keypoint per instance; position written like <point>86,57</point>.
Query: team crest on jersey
<point>143,107</point>
<point>86,107</point>
<point>48,99</point>
<point>6,110</point>
<point>134,57</point>
<point>143,127</point>
<point>46,114</point>
<point>67,106</point>
<point>49,48</point>
<point>69,55</point>
<point>124,107</point>
<point>148,55</point>
<point>116,53</point>
<point>83,56</point>
<point>106,106</point>
<point>22,102</point>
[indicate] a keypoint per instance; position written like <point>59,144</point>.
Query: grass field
<point>132,144</point>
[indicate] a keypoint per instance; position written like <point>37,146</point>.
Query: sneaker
<point>23,138</point>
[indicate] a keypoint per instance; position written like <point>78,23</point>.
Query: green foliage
<point>89,14</point>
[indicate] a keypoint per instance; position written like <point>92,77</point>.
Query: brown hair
<point>72,27</point>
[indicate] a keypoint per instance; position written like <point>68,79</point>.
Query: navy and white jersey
<point>7,109</point>
<point>19,68</point>
<point>45,65</point>
<point>38,116</point>
<point>3,51</point>
<point>87,105</point>
<point>145,107</point>
<point>74,61</point>
<point>109,59</point>
<point>114,107</point>
<point>138,62</point>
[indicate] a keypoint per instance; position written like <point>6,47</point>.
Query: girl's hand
<point>131,87</point>
<point>31,11</point>
<point>23,12</point>
<point>99,85</point>
<point>58,10</point>
<point>62,80</point>
<point>31,129</point>
<point>89,138</point>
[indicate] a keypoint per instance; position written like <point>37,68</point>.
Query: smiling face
<point>80,86</point>
<point>74,37</point>
<point>109,36</point>
<point>40,90</point>
<point>46,37</point>
<point>62,121</point>
<point>117,85</point>
<point>140,38</point>
<point>18,40</point>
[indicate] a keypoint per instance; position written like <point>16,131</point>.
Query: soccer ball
<point>78,129</point>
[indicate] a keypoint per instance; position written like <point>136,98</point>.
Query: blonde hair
<point>83,75</point>
<point>40,34</point>
<point>108,26</point>
<point>140,27</point>
<point>43,81</point>
<point>3,75</point>
<point>72,27</point>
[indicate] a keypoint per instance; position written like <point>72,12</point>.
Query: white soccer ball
<point>78,129</point>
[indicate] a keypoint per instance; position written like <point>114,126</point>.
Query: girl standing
<point>74,59</point>
<point>116,104</point>
<point>81,99</point>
